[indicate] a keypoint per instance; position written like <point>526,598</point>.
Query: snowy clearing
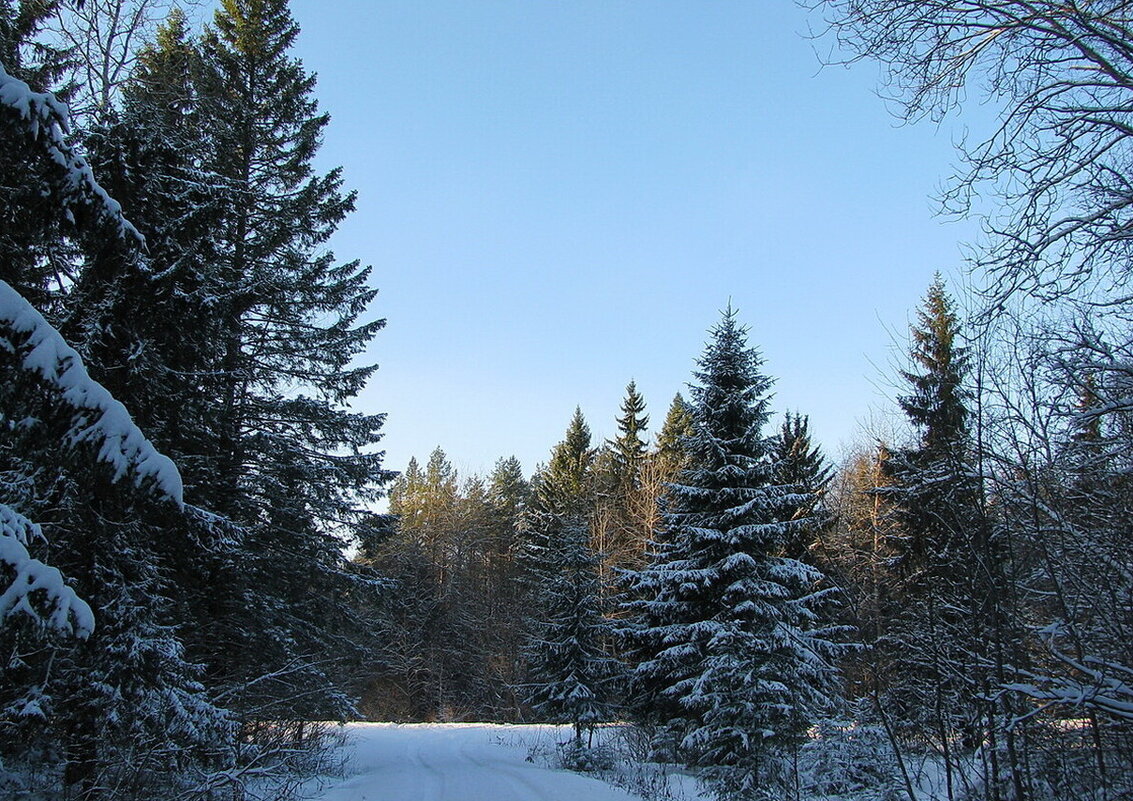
<point>457,762</point>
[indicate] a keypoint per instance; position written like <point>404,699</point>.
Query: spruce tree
<point>949,565</point>
<point>566,482</point>
<point>932,482</point>
<point>671,454</point>
<point>125,707</point>
<point>291,465</point>
<point>628,449</point>
<point>625,500</point>
<point>571,679</point>
<point>733,661</point>
<point>562,488</point>
<point>799,464</point>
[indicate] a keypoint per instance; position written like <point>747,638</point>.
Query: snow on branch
<point>66,612</point>
<point>1090,682</point>
<point>46,121</point>
<point>98,417</point>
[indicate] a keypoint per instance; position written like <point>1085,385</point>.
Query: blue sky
<point>558,197</point>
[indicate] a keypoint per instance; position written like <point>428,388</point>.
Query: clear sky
<point>557,197</point>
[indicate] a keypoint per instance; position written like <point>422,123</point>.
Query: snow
<point>68,612</point>
<point>46,120</point>
<point>99,418</point>
<point>458,762</point>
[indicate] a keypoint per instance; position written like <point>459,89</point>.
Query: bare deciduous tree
<point>103,38</point>
<point>1059,159</point>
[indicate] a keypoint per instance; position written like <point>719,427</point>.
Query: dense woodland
<point>195,576</point>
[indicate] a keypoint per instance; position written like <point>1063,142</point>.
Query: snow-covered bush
<point>576,756</point>
<point>846,758</point>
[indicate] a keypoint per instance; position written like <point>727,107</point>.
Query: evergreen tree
<point>625,502</point>
<point>628,449</point>
<point>734,662</point>
<point>508,490</point>
<point>565,484</point>
<point>800,464</point>
<point>932,481</point>
<point>570,677</point>
<point>950,569</point>
<point>563,488</point>
<point>672,454</point>
<point>291,465</point>
<point>125,707</point>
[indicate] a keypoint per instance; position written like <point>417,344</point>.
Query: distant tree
<point>453,621</point>
<point>672,441</point>
<point>629,448</point>
<point>625,510</point>
<point>566,482</point>
<point>800,464</point>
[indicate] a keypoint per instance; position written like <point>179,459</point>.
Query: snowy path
<point>456,762</point>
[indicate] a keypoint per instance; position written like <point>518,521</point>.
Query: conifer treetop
<point>937,404</point>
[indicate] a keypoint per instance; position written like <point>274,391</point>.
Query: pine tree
<point>734,662</point>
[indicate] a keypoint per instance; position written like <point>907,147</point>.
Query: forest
<point>199,574</point>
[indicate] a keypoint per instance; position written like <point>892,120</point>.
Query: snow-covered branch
<point>65,611</point>
<point>98,417</point>
<point>45,120</point>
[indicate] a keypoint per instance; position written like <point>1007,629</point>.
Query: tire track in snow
<point>431,762</point>
<point>510,774</point>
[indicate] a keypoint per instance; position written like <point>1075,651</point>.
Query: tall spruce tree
<point>671,455</point>
<point>566,482</point>
<point>291,465</point>
<point>624,502</point>
<point>628,448</point>
<point>733,661</point>
<point>125,708</point>
<point>950,577</point>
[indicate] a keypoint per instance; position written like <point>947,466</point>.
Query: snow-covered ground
<point>458,762</point>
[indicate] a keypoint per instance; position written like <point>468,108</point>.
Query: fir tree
<point>932,482</point>
<point>734,662</point>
